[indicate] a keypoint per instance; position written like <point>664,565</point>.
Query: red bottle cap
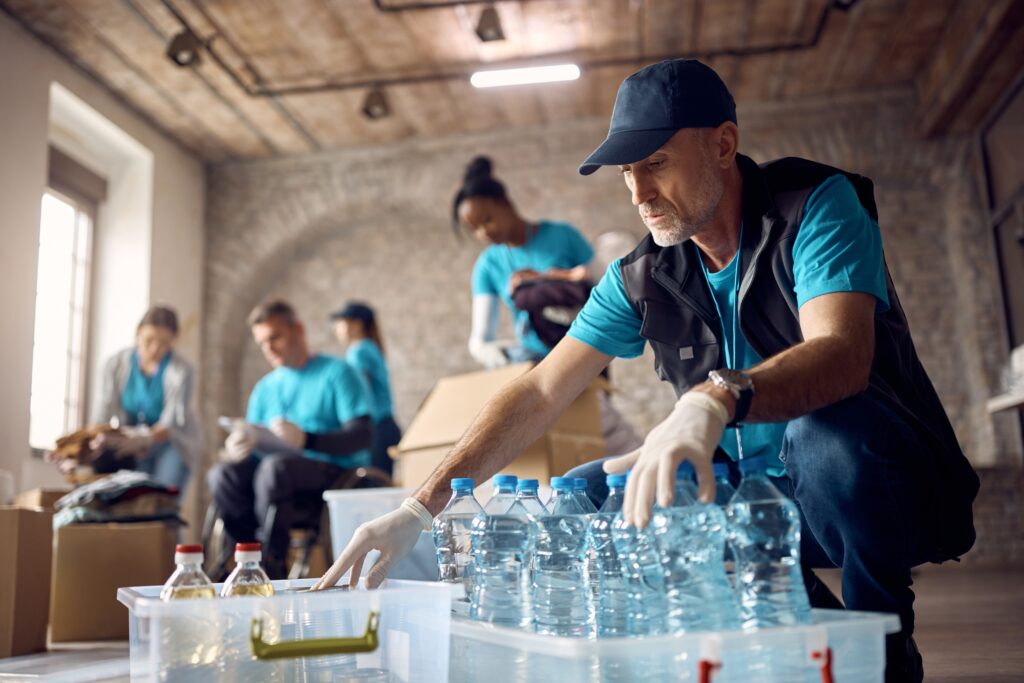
<point>247,547</point>
<point>188,548</point>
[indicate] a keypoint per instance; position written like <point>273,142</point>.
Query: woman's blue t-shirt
<point>365,356</point>
<point>837,249</point>
<point>553,245</point>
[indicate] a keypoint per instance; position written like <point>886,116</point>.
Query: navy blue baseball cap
<point>657,101</point>
<point>355,310</point>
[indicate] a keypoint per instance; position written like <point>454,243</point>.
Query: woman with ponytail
<point>522,259</point>
<point>357,329</point>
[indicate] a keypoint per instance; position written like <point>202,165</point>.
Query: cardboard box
<point>44,497</point>
<point>90,562</point>
<point>26,537</point>
<point>455,401</point>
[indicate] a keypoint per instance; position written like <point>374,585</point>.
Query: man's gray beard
<point>711,190</point>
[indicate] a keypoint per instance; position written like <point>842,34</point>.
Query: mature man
<point>318,406</point>
<point>764,294</point>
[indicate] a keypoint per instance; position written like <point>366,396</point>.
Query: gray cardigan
<point>178,415</point>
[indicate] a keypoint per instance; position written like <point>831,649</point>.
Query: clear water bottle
<point>248,577</point>
<point>724,489</point>
<point>503,496</point>
<point>579,487</point>
<point>686,482</point>
<point>503,547</point>
<point>561,594</point>
<point>526,494</point>
<point>764,527</point>
<point>644,577</point>
<point>452,539</point>
<point>691,543</point>
<point>612,603</point>
<point>188,580</point>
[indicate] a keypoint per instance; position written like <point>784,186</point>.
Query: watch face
<point>740,380</point>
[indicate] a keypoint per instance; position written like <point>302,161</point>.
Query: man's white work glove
<point>488,353</point>
<point>240,443</point>
<point>690,432</point>
<point>393,534</point>
<point>289,432</point>
<point>134,440</point>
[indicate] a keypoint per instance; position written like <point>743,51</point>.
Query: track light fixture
<point>184,48</point>
<point>375,106</point>
<point>488,28</point>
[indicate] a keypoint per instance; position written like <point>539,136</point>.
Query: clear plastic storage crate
<point>349,508</point>
<point>398,634</point>
<point>839,647</point>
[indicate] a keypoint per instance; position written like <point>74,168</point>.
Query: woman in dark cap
<point>357,330</point>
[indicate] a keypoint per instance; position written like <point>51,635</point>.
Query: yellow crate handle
<point>315,647</point>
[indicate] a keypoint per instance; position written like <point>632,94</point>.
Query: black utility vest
<point>667,289</point>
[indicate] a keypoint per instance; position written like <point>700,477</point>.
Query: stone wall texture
<point>374,224</point>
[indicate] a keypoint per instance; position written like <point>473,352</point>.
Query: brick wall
<point>373,223</point>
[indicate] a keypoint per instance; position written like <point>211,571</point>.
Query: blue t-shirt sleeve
<point>608,321</point>
<point>351,394</point>
<point>483,276</point>
<point>838,247</point>
<point>255,411</point>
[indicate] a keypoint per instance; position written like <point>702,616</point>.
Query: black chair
<point>311,521</point>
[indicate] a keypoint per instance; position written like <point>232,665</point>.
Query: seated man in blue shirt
<point>319,406</point>
<point>763,292</point>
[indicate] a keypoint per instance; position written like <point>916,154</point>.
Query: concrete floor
<point>970,626</point>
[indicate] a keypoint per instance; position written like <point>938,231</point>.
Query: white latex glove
<point>239,444</point>
<point>393,534</point>
<point>288,432</point>
<point>690,432</point>
<point>487,353</point>
<point>134,440</point>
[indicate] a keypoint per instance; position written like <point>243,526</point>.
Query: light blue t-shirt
<point>838,249</point>
<point>321,396</point>
<point>365,356</point>
<point>143,396</point>
<point>554,245</point>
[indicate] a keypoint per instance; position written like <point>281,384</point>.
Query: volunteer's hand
<point>134,440</point>
<point>521,277</point>
<point>393,534</point>
<point>288,432</point>
<point>488,354</point>
<point>690,432</point>
<point>239,444</point>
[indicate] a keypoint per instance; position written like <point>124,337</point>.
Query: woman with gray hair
<point>147,392</point>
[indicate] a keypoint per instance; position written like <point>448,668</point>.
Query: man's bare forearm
<point>511,421</point>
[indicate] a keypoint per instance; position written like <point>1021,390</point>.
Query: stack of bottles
<point>566,568</point>
<point>189,581</point>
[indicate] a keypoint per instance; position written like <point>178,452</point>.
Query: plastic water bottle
<point>503,546</point>
<point>526,494</point>
<point>691,543</point>
<point>561,594</point>
<point>579,487</point>
<point>612,604</point>
<point>685,482</point>
<point>248,577</point>
<point>724,489</point>
<point>188,580</point>
<point>644,577</point>
<point>764,527</point>
<point>504,494</point>
<point>452,539</point>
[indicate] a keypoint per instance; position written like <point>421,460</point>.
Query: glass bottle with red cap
<point>248,577</point>
<point>188,580</point>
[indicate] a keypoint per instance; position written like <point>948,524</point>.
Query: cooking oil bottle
<point>188,580</point>
<point>248,577</point>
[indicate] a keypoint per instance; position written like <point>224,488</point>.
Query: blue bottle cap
<point>721,469</point>
<point>615,481</point>
<point>462,484</point>
<point>756,464</point>
<point>505,480</point>
<point>685,470</point>
<point>579,484</point>
<point>528,485</point>
<point>562,483</point>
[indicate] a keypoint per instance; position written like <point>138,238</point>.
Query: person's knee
<point>826,452</point>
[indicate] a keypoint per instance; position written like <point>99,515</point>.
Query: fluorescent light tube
<point>524,76</point>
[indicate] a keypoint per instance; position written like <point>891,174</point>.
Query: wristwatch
<point>739,385</point>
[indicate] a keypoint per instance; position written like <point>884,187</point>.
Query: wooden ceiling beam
<point>977,35</point>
